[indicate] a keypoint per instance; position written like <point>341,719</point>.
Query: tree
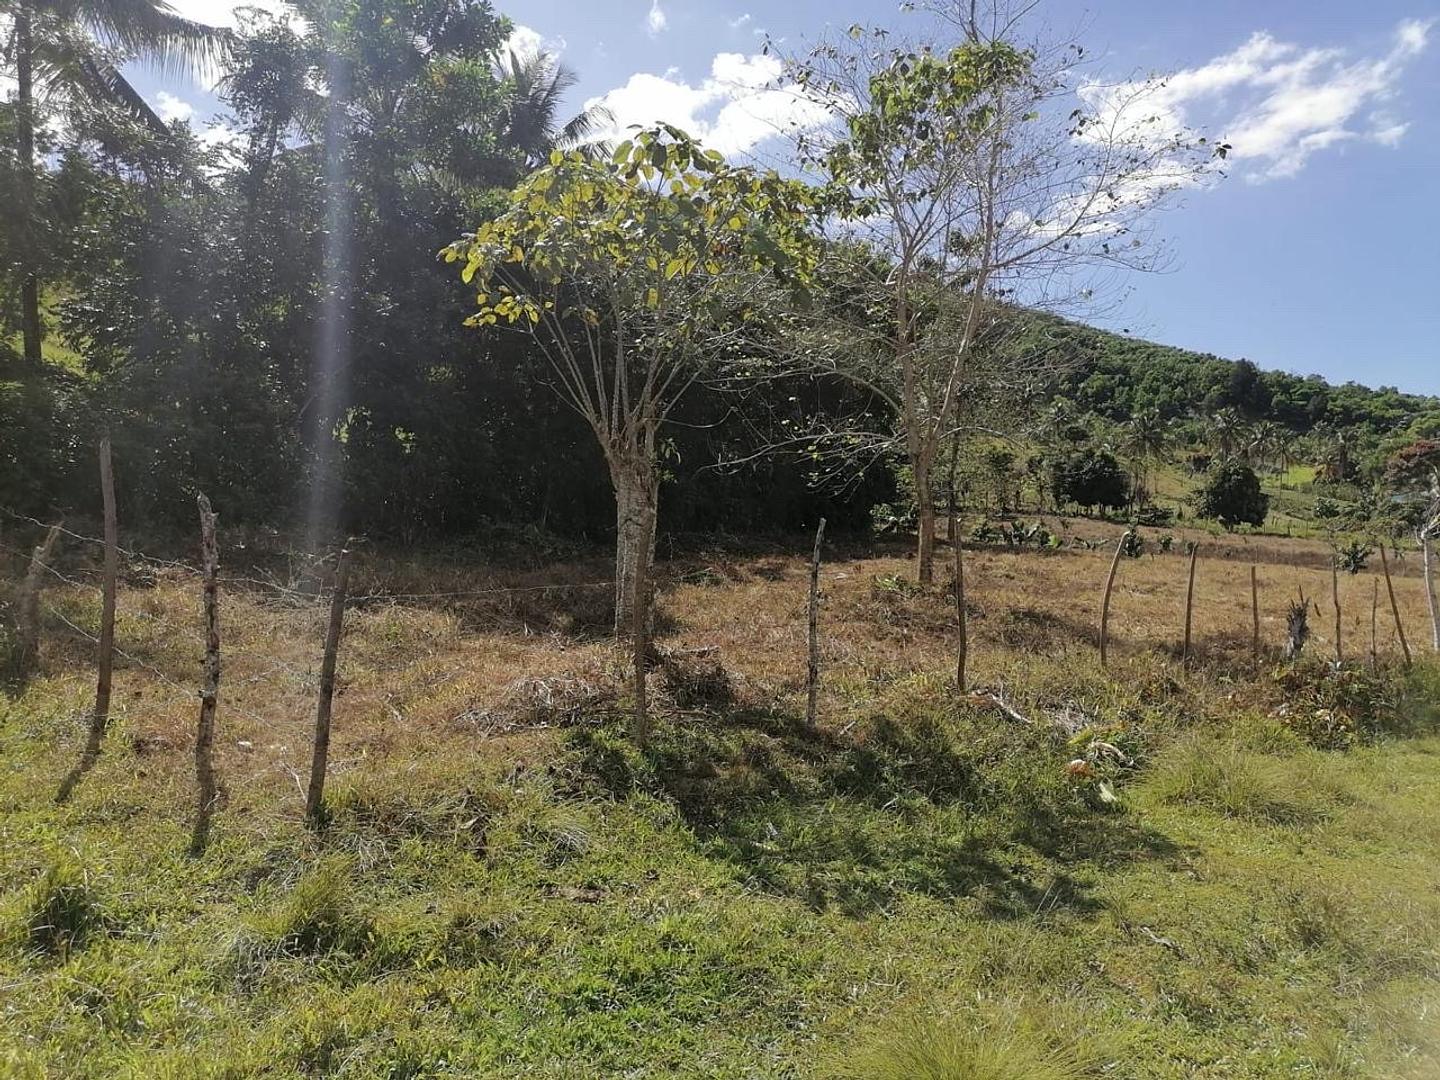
<point>1227,432</point>
<point>1413,473</point>
<point>1090,478</point>
<point>536,85</point>
<point>977,177</point>
<point>631,273</point>
<point>73,49</point>
<point>1231,495</point>
<point>1145,437</point>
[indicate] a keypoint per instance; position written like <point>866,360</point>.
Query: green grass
<point>929,896</point>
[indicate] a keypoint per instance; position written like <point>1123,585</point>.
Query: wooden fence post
<point>1105,601</point>
<point>105,649</point>
<point>1375,624</point>
<point>320,757</point>
<point>1190,602</point>
<point>1394,606</point>
<point>1335,599</point>
<point>210,687</point>
<point>812,681</point>
<point>1254,612</point>
<point>640,644</point>
<point>962,636</point>
<point>106,658</point>
<point>27,606</point>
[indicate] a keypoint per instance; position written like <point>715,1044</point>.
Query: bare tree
<point>979,173</point>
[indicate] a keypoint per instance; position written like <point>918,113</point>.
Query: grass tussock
<point>996,1043</point>
<point>60,912</point>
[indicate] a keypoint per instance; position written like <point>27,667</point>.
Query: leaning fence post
<point>962,634</point>
<point>1105,602</point>
<point>106,658</point>
<point>812,681</point>
<point>1335,599</point>
<point>27,606</point>
<point>1375,624</point>
<point>210,688</point>
<point>1394,606</point>
<point>1190,601</point>
<point>1254,612</point>
<point>315,797</point>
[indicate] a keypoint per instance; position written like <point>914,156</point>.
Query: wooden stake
<point>1375,624</point>
<point>1105,601</point>
<point>962,637</point>
<point>1335,599</point>
<point>1394,607</point>
<point>320,756</point>
<point>27,606</point>
<point>1254,611</point>
<point>210,686</point>
<point>105,650</point>
<point>1190,602</point>
<point>640,643</point>
<point>812,680</point>
<point>106,658</point>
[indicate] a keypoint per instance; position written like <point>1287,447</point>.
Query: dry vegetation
<point>507,887</point>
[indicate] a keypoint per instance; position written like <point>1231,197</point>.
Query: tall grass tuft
<point>966,1048</point>
<point>62,911</point>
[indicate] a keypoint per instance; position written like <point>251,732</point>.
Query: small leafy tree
<point>1090,478</point>
<point>1231,495</point>
<point>980,170</point>
<point>1413,474</point>
<point>634,273</point>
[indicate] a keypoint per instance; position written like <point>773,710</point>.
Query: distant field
<point>916,888</point>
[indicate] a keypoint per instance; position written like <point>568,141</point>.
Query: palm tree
<point>72,49</point>
<point>1227,432</point>
<point>536,85</point>
<point>1145,438</point>
<point>1267,444</point>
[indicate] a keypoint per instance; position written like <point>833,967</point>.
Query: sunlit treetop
<point>659,227</point>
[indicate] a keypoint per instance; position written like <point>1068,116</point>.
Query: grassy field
<point>1212,871</point>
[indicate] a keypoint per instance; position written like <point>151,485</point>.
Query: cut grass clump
<point>1229,781</point>
<point>968,1047</point>
<point>318,916</point>
<point>61,911</point>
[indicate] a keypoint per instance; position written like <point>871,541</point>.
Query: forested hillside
<point>194,298</point>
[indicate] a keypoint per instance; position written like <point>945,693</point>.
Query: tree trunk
<point>636,497</point>
<point>925,521</point>
<point>25,144</point>
<point>1427,551</point>
<point>1105,599</point>
<point>962,629</point>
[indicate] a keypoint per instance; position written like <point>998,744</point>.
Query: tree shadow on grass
<point>943,807</point>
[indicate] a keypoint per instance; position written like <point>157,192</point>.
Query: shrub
<point>1089,478</point>
<point>61,912</point>
<point>1231,495</point>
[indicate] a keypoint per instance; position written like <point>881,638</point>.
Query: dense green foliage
<point>1231,495</point>
<point>267,321</point>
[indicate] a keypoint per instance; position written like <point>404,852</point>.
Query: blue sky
<point>1317,254</point>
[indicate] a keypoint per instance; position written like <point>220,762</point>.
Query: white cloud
<point>742,103</point>
<point>169,107</point>
<point>743,20</point>
<point>524,41</point>
<point>223,12</point>
<point>656,21</point>
<point>1278,104</point>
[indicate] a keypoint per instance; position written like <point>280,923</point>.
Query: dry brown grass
<point>465,660</point>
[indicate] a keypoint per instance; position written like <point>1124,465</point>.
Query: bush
<point>1090,478</point>
<point>1231,495</point>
